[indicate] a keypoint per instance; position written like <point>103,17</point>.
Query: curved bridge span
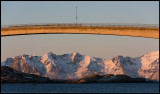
<point>137,30</point>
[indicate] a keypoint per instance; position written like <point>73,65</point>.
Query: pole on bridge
<point>76,15</point>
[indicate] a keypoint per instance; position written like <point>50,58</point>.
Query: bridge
<point>136,30</point>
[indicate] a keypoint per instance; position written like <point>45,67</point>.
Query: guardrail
<point>83,24</point>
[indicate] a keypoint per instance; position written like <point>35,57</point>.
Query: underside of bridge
<point>147,32</point>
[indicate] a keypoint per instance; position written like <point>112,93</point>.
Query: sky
<point>103,46</point>
<point>24,12</point>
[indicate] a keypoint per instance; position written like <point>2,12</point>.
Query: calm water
<point>81,88</point>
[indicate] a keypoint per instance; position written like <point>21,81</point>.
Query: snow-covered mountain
<point>75,65</point>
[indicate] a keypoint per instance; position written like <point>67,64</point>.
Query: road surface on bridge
<point>148,32</point>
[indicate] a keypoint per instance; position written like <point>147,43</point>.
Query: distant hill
<point>9,75</point>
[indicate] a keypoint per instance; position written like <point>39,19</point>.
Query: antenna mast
<point>76,15</point>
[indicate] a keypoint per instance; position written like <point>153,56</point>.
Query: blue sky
<point>103,46</point>
<point>16,12</point>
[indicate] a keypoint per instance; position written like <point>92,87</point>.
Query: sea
<point>81,88</point>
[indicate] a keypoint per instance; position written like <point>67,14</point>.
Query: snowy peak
<point>75,65</point>
<point>150,66</point>
<point>8,62</point>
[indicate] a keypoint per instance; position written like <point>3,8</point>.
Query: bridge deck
<point>149,32</point>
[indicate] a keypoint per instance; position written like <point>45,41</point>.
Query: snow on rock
<point>150,66</point>
<point>8,62</point>
<point>75,65</point>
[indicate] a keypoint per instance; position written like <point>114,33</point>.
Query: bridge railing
<point>82,24</point>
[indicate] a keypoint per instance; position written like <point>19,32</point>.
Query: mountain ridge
<point>75,65</point>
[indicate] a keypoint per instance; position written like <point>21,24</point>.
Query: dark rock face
<point>109,78</point>
<point>8,75</point>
